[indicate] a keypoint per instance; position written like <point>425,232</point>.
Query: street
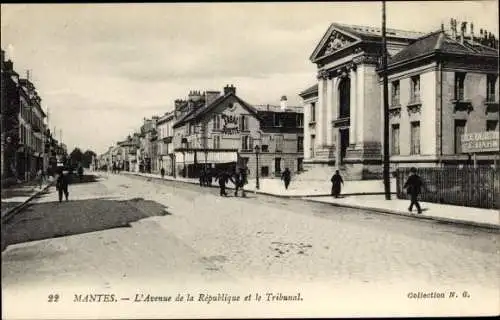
<point>121,228</point>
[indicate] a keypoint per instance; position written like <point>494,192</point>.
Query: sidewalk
<point>15,197</point>
<point>367,195</point>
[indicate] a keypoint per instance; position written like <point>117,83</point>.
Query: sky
<point>101,68</point>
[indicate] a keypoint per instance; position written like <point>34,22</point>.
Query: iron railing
<point>471,187</point>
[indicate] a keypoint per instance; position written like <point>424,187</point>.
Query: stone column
<point>319,113</point>
<point>354,124</point>
<point>360,103</point>
<point>307,131</point>
<point>329,110</point>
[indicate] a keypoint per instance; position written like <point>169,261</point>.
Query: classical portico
<point>346,130</point>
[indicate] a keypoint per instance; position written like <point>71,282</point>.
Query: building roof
<point>203,110</point>
<point>368,33</point>
<point>310,90</point>
<point>440,41</point>
<point>352,35</point>
<point>274,108</point>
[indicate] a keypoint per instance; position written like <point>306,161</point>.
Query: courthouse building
<point>441,85</point>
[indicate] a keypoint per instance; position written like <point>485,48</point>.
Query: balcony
<point>414,105</point>
<point>395,110</point>
<point>491,104</point>
<point>462,105</point>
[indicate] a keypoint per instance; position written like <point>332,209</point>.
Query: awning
<point>211,156</point>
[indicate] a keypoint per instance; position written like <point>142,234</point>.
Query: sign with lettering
<point>230,124</point>
<point>480,142</point>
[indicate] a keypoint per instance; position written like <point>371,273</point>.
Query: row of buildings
<point>214,129</point>
<point>27,145</point>
<point>443,110</point>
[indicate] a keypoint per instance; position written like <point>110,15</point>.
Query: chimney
<point>229,89</point>
<point>472,32</point>
<point>462,31</point>
<point>283,103</point>
<point>211,96</point>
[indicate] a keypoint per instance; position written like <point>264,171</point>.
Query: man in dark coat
<point>62,185</point>
<point>414,186</point>
<point>337,183</point>
<point>162,172</point>
<point>202,177</point>
<point>286,176</point>
<point>223,177</point>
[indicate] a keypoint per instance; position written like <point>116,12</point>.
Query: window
<point>277,165</point>
<point>264,148</point>
<point>459,86</point>
<point>395,139</point>
<point>491,125</point>
<point>300,144</point>
<point>459,131</point>
<point>490,88</point>
<point>415,89</point>
<point>216,142</point>
<point>415,138</point>
<point>300,120</point>
<point>246,143</point>
<point>395,93</point>
<point>217,122</point>
<point>313,111</point>
<point>243,123</point>
<point>276,119</point>
<point>279,143</point>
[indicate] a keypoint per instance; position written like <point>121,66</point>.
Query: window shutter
<point>250,143</point>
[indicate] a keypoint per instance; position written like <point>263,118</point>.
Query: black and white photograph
<point>250,160</point>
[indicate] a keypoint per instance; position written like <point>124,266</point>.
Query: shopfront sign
<point>480,142</point>
<point>230,124</point>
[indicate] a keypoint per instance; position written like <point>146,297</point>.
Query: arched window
<point>345,98</point>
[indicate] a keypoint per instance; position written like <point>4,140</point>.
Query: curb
<point>270,193</point>
<point>415,216</point>
<point>352,206</point>
<point>12,211</point>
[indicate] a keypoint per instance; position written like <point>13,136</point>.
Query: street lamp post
<point>257,150</point>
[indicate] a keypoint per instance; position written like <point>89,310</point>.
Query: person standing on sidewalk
<point>286,176</point>
<point>40,177</point>
<point>414,186</point>
<point>62,185</point>
<point>162,172</point>
<point>337,183</point>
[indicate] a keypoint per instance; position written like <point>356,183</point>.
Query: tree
<point>87,158</point>
<point>76,157</point>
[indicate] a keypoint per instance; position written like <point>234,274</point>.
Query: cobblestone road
<point>124,228</point>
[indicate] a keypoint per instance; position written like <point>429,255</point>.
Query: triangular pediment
<point>334,40</point>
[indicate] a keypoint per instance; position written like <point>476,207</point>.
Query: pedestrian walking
<point>337,183</point>
<point>203,177</point>
<point>62,185</point>
<point>286,176</point>
<point>223,177</point>
<point>414,186</point>
<point>240,180</point>
<point>80,173</point>
<point>210,175</point>
<point>39,176</point>
<point>162,172</point>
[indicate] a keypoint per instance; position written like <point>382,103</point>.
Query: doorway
<point>344,143</point>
